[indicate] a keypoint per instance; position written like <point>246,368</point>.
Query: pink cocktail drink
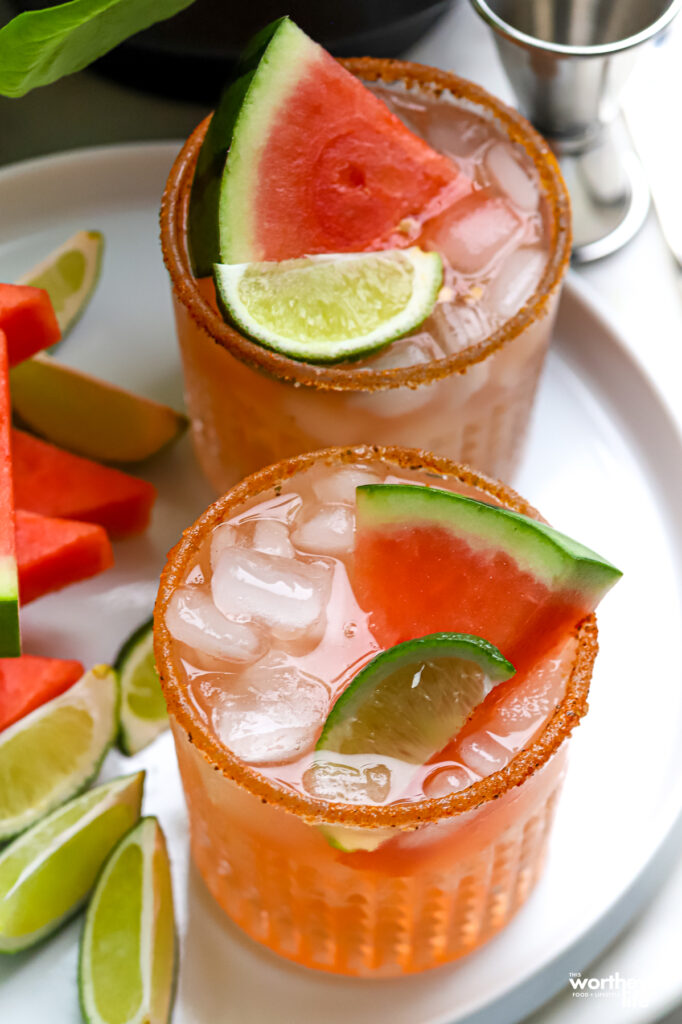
<point>352,864</point>
<point>462,384</point>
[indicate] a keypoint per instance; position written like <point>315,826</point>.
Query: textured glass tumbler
<point>451,871</point>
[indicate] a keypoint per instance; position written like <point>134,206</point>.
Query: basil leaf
<point>38,47</point>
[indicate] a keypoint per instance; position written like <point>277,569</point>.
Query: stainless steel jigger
<point>567,61</point>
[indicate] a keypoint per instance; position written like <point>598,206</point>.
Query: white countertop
<point>641,285</point>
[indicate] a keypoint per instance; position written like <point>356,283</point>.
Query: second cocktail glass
<point>456,860</point>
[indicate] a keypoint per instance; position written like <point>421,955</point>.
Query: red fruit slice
<point>28,320</point>
<point>10,644</point>
<point>427,561</point>
<point>29,681</point>
<point>318,163</point>
<point>52,553</point>
<point>53,482</point>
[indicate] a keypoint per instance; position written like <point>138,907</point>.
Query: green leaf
<point>39,47</point>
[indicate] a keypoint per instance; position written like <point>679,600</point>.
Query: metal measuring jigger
<point>567,61</point>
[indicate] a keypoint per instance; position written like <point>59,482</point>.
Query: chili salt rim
<point>522,766</point>
<point>174,206</point>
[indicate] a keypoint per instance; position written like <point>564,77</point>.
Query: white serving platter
<point>602,464</point>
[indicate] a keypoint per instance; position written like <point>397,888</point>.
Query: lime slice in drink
<point>406,704</point>
<point>69,275</point>
<point>331,307</point>
<point>143,708</point>
<point>128,949</point>
<point>55,751</point>
<point>47,873</point>
<point>410,700</point>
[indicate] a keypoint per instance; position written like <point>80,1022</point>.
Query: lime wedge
<point>55,751</point>
<point>410,700</point>
<point>143,708</point>
<point>69,275</point>
<point>47,873</point>
<point>403,706</point>
<point>331,307</point>
<point>90,416</point>
<point>128,948</point>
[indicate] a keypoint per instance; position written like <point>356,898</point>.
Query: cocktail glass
<point>451,870</point>
<point>250,406</point>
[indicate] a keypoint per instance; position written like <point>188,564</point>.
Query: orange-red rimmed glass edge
<point>525,763</point>
<point>174,208</point>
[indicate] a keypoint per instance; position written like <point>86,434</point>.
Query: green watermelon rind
<point>202,222</point>
<point>10,637</point>
<point>428,270</point>
<point>550,556</point>
<point>463,646</point>
<point>283,63</point>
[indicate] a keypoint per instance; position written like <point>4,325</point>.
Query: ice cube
<point>510,177</point>
<point>328,531</point>
<point>392,402</point>
<point>273,713</point>
<point>459,136</point>
<point>472,232</point>
<point>193,619</point>
<point>195,575</point>
<point>346,783</point>
<point>483,754</point>
<point>272,538</point>
<point>223,536</point>
<point>451,779</point>
<point>337,486</point>
<point>415,350</point>
<point>515,282</point>
<point>460,324</point>
<point>286,595</point>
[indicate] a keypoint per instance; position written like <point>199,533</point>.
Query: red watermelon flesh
<point>52,553</point>
<point>28,320</point>
<point>53,482</point>
<point>29,681</point>
<point>427,561</point>
<point>10,645</point>
<point>318,163</point>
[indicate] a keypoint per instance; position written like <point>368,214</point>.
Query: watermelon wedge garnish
<point>53,482</point>
<point>428,561</point>
<point>316,164</point>
<point>10,644</point>
<point>28,320</point>
<point>52,553</point>
<point>29,681</point>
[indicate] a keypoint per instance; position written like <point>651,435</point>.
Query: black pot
<point>191,55</point>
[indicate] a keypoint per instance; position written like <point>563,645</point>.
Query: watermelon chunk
<point>52,553</point>
<point>317,163</point>
<point>29,681</point>
<point>53,482</point>
<point>428,560</point>
<point>10,645</point>
<point>28,320</point>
